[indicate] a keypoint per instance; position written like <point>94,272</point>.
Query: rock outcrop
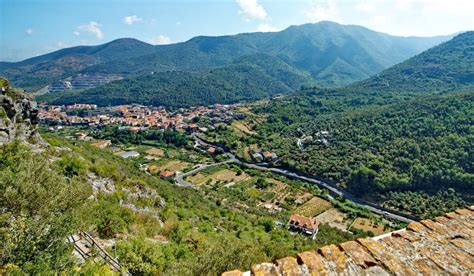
<point>18,116</point>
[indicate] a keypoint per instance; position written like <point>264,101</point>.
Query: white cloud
<point>160,40</point>
<point>409,17</point>
<point>379,20</point>
<point>131,19</point>
<point>178,23</point>
<point>29,31</point>
<point>323,10</point>
<point>454,7</point>
<point>365,6</point>
<point>251,9</point>
<point>93,28</point>
<point>266,28</point>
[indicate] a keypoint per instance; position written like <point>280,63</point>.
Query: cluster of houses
<point>320,137</point>
<point>137,116</point>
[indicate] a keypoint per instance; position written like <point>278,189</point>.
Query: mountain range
<point>448,66</point>
<point>325,54</point>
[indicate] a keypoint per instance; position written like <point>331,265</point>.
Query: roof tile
<point>447,264</point>
<point>288,266</point>
<point>459,229</point>
<point>416,227</point>
<point>380,253</point>
<point>463,244</point>
<point>463,211</point>
<point>426,266</point>
<point>407,235</point>
<point>434,226</point>
<point>233,273</point>
<point>375,271</point>
<point>264,269</point>
<point>355,251</point>
<point>313,261</point>
<point>332,253</point>
<point>465,261</point>
<point>451,215</point>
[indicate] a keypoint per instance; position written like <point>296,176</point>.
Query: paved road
<point>333,189</point>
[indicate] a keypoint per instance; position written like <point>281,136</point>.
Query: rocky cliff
<point>18,116</point>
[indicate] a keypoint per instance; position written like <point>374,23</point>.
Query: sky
<point>32,27</point>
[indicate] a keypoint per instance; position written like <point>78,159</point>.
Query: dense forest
<point>249,78</point>
<point>424,144</point>
<point>448,66</point>
<point>421,146</point>
<point>385,143</point>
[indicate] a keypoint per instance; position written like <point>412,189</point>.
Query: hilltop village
<point>136,117</point>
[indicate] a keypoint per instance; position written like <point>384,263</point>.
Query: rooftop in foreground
<point>443,245</point>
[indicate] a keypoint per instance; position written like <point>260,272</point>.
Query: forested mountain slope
<point>42,70</point>
<point>410,143</point>
<point>448,66</point>
<point>332,54</point>
<point>249,78</point>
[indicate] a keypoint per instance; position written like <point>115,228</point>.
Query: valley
<point>319,148</point>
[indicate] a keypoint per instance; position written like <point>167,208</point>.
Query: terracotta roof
<point>303,221</point>
<point>166,174</point>
<point>443,245</point>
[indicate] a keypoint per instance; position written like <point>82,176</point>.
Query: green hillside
<point>249,78</point>
<point>406,144</point>
<point>332,54</point>
<point>39,71</point>
<point>447,66</point>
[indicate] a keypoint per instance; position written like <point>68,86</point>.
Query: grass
<point>174,166</point>
<point>223,175</point>
<point>241,127</point>
<point>334,218</point>
<point>314,207</point>
<point>198,178</point>
<point>368,225</point>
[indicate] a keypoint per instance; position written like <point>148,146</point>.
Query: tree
<point>39,208</point>
<point>262,183</point>
<point>110,217</point>
<point>362,180</point>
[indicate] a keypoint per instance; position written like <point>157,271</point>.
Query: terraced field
<point>314,207</point>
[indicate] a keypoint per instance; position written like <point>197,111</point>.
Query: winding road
<point>333,189</point>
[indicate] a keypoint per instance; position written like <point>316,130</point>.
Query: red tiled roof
<point>166,174</point>
<point>302,221</point>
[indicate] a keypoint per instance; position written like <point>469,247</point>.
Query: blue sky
<point>33,27</point>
